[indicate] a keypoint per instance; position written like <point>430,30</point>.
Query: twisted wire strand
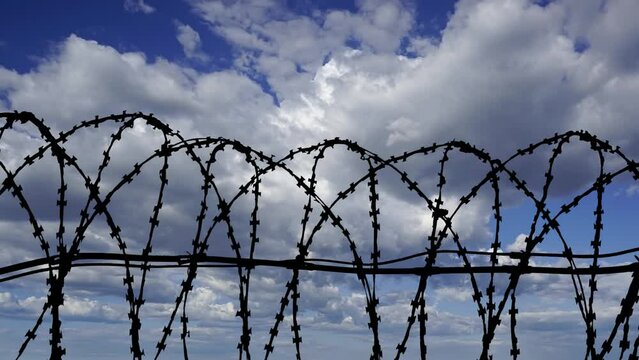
<point>68,254</point>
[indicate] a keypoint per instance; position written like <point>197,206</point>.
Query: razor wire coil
<point>58,262</point>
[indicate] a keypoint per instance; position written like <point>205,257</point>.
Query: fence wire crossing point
<point>492,307</point>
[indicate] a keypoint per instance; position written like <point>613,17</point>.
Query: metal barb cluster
<point>490,304</point>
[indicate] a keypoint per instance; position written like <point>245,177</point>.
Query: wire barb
<point>491,299</point>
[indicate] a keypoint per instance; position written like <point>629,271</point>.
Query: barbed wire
<point>58,263</point>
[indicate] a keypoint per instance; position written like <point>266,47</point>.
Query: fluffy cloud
<point>288,48</point>
<point>138,6</point>
<point>85,78</point>
<point>75,308</point>
<point>190,41</point>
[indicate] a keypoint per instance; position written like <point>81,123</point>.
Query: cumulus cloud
<point>75,308</point>
<point>279,43</point>
<point>135,6</point>
<point>85,78</point>
<point>190,41</point>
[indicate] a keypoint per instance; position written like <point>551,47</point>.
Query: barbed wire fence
<point>491,307</point>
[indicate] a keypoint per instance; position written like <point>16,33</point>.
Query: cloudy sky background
<point>391,75</point>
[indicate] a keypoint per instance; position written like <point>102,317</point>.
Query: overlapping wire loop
<point>491,306</point>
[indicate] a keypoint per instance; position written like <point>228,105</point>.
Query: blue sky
<point>276,75</point>
<point>109,23</point>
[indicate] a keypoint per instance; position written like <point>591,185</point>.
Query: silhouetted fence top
<point>66,252</point>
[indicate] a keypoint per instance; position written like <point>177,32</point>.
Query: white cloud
<point>519,244</point>
<point>138,6</point>
<point>402,130</point>
<point>74,308</point>
<point>631,190</point>
<point>190,41</point>
<point>85,78</point>
<point>204,306</point>
<point>265,30</point>
<point>453,293</point>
